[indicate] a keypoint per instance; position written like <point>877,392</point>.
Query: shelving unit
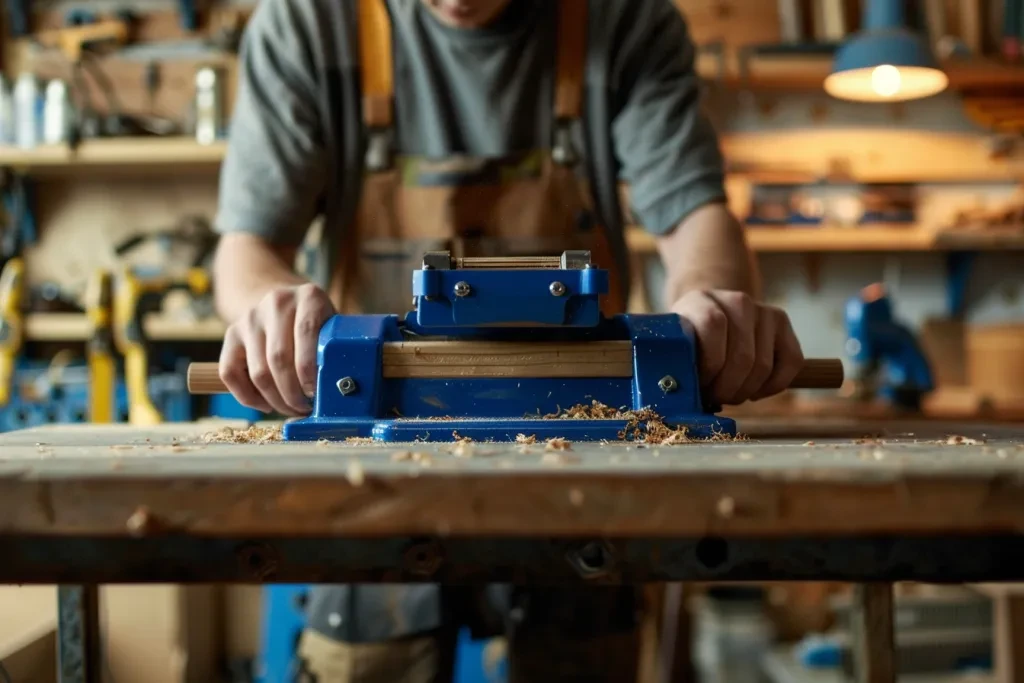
<point>126,153</point>
<point>800,72</point>
<point>74,327</point>
<point>793,239</point>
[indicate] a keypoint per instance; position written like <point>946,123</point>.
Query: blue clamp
<point>376,377</point>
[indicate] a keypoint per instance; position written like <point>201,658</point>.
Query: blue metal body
<point>501,305</point>
<point>884,39</point>
<point>877,342</point>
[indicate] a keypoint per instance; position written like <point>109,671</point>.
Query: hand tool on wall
<point>100,348</point>
<point>134,296</point>
<point>495,339</point>
<point>20,223</point>
<point>12,290</point>
<point>887,353</point>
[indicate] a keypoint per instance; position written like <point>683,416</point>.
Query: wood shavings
<point>253,434</point>
<point>526,440</point>
<point>360,440</point>
<point>142,522</point>
<point>461,439</point>
<point>122,447</point>
<point>176,448</point>
<point>462,449</point>
<point>576,497</point>
<point>557,444</point>
<point>809,443</point>
<point>559,459</point>
<point>869,441</point>
<point>355,474</point>
<point>423,459</point>
<point>726,507</point>
<point>962,441</point>
<point>642,426</point>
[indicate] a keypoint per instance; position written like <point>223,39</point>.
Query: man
<point>487,127</point>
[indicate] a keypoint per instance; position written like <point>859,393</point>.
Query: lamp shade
<point>886,62</point>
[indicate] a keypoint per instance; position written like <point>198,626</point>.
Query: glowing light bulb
<point>886,80</point>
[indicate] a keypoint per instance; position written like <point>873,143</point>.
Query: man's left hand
<point>746,350</point>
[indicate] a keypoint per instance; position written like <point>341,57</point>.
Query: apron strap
<point>376,67</point>
<point>572,57</point>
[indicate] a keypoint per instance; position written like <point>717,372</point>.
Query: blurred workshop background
<point>885,206</point>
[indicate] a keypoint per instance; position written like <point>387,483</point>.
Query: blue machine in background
<point>886,351</point>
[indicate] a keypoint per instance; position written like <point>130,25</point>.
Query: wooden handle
<point>817,373</point>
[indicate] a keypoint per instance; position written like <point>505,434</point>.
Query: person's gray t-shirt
<point>296,144</point>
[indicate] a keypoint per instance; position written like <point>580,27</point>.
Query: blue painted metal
<point>500,305</point>
<point>884,40</point>
<point>47,395</point>
<point>283,620</point>
<point>877,342</point>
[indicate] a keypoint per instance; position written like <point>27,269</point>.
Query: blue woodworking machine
<point>493,346</point>
<point>885,351</point>
<point>501,347</point>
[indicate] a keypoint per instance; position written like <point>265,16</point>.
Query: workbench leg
<point>78,634</point>
<point>1008,632</point>
<point>873,646</point>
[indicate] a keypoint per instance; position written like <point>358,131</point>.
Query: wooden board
<point>790,478</point>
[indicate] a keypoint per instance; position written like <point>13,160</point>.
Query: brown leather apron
<point>527,203</point>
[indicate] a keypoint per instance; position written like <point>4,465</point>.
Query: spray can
<point>57,113</point>
<point>209,107</point>
<point>28,104</point>
<point>6,112</point>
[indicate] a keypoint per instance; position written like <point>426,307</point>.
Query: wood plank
<point>865,155</point>
<point>507,359</point>
<point>874,651</point>
<point>1008,632</point>
<point>783,239</point>
<point>114,152</point>
<point>92,480</point>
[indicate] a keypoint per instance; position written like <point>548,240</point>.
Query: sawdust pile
<point>557,444</point>
<point>643,426</point>
<point>251,434</point>
<point>525,440</point>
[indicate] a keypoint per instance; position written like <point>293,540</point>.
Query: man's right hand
<point>268,360</point>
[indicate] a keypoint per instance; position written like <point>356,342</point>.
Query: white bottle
<point>28,103</point>
<point>57,113</point>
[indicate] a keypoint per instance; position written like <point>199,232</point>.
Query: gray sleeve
<point>666,147</point>
<point>273,173</point>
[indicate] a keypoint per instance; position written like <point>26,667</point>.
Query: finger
<point>789,359</point>
<point>312,311</point>
<point>739,352</point>
<point>764,356</point>
<point>260,373</point>
<point>234,372</point>
<point>710,326</point>
<point>279,316</point>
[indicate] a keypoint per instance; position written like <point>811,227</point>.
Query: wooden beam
<point>1008,632</point>
<point>874,649</point>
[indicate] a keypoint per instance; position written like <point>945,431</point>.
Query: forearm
<point>708,250</point>
<point>245,269</point>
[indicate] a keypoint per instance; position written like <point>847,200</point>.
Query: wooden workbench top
<point>816,477</point>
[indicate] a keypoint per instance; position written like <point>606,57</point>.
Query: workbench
<point>868,503</point>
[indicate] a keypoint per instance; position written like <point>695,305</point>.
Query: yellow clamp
<point>12,289</point>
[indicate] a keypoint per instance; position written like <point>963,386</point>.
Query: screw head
<point>668,383</point>
<point>557,288</point>
<point>462,289</point>
<point>347,385</point>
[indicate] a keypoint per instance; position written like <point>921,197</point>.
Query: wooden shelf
<point>805,72</point>
<point>69,327</point>
<point>791,239</point>
<point>131,153</point>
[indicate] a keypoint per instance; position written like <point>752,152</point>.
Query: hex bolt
<point>347,385</point>
<point>557,288</point>
<point>668,383</point>
<point>462,289</point>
